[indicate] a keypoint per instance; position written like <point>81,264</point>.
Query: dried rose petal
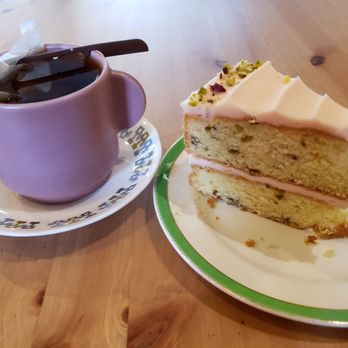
<point>216,87</point>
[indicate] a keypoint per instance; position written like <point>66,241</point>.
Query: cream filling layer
<point>270,97</point>
<point>336,202</point>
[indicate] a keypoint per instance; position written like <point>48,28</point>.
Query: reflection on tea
<point>48,79</point>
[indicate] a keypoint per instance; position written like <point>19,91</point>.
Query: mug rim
<point>95,55</point>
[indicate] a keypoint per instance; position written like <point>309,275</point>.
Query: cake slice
<point>268,144</point>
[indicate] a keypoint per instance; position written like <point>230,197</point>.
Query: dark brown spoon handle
<point>113,48</point>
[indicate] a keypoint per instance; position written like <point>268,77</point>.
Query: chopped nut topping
<point>202,91</point>
<point>230,81</point>
<point>286,79</point>
<point>228,77</point>
<point>247,67</point>
<point>226,68</point>
<point>193,100</point>
<point>242,74</point>
<point>257,64</point>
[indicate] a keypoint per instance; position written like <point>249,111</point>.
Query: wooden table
<point>119,282</point>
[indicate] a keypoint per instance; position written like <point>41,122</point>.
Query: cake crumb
<point>311,239</point>
<point>212,202</point>
<point>329,253</point>
<point>250,243</point>
<point>217,218</point>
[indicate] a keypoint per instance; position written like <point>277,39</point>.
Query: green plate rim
<point>312,315</point>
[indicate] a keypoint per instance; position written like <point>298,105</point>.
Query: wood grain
<point>119,282</point>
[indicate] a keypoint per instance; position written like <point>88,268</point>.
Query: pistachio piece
<point>257,64</point>
<point>193,99</point>
<point>286,79</point>
<point>202,91</point>
<point>242,74</point>
<point>226,68</point>
<point>230,80</point>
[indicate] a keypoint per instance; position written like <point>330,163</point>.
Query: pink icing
<point>339,203</point>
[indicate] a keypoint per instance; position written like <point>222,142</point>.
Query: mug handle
<point>131,99</point>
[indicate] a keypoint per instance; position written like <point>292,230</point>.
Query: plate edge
<point>313,317</point>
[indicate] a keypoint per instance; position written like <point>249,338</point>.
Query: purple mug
<point>59,150</point>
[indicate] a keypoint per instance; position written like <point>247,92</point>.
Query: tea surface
<point>48,79</point>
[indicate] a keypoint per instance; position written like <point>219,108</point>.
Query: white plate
<point>281,274</point>
<point>140,154</point>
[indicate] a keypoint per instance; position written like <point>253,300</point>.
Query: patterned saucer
<point>140,155</point>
